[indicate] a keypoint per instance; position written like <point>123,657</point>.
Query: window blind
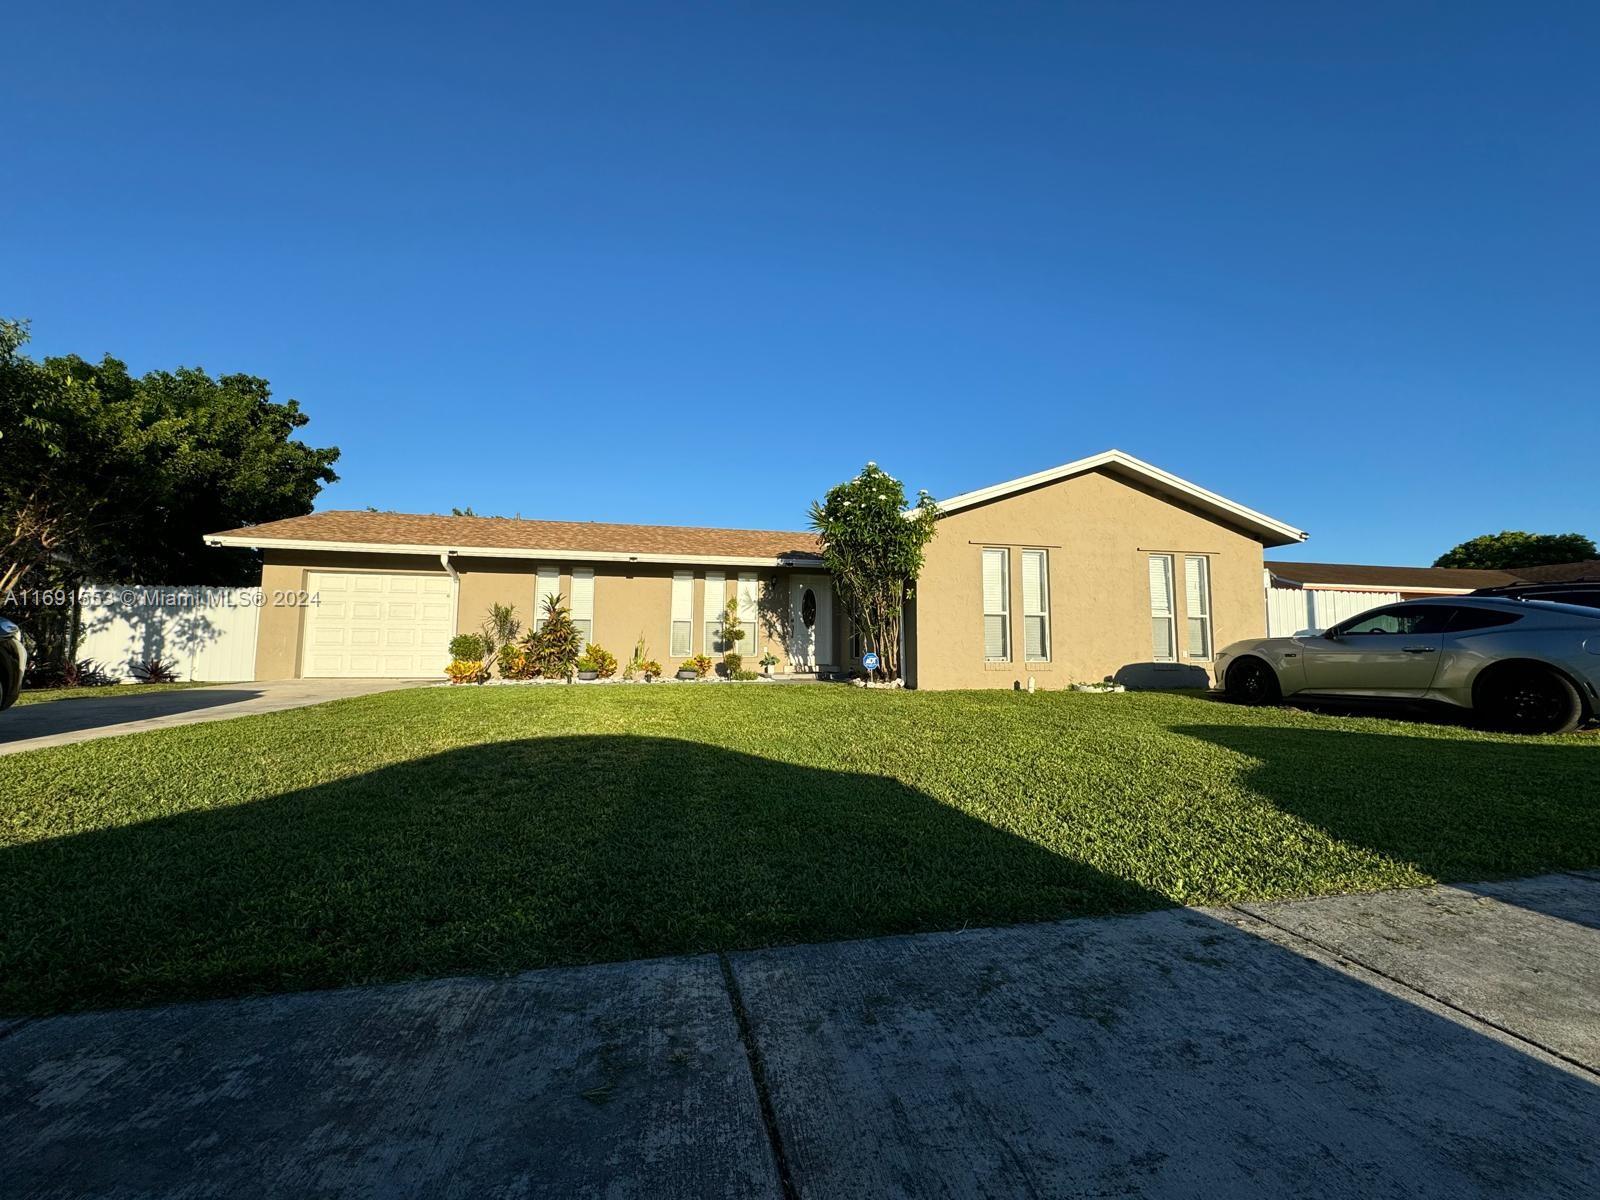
<point>1161,630</point>
<point>716,600</point>
<point>547,582</point>
<point>583,602</point>
<point>1036,605</point>
<point>996,605</point>
<point>1197,597</point>
<point>682,643</point>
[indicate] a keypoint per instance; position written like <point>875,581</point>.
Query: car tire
<point>1251,681</point>
<point>1528,698</point>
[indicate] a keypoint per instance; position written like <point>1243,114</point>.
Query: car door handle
<point>1419,649</point>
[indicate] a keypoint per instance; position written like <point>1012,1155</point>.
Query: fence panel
<point>209,632</point>
<point>1292,611</point>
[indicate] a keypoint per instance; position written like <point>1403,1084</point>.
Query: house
<point>1306,597</point>
<point>1103,566</point>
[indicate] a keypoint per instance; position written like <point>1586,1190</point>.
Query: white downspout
<point>455,591</point>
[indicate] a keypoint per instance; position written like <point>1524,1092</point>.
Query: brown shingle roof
<point>1578,572</point>
<point>1397,578</point>
<point>506,533</point>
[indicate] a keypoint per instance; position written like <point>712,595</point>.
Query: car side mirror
<point>1331,634</point>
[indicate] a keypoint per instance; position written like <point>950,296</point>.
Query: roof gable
<point>1265,529</point>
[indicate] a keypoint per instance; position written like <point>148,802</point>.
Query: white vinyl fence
<point>1292,611</point>
<point>208,633</point>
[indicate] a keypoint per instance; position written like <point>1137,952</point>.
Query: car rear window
<point>1464,619</point>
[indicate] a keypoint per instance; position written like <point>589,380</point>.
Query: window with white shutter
<point>1162,633</point>
<point>1197,598</point>
<point>682,614</point>
<point>716,601</point>
<point>997,605</point>
<point>547,583</point>
<point>1036,605</point>
<point>749,614</point>
<point>583,602</point>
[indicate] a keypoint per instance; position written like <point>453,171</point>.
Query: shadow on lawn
<point>1472,810</point>
<point>508,856</point>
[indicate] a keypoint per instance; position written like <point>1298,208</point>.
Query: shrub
<point>84,673</point>
<point>747,675</point>
<point>732,663</point>
<point>555,646</point>
<point>153,670</point>
<point>514,662</point>
<point>650,669</point>
<point>599,660</point>
<point>769,659</point>
<point>499,630</point>
<point>466,647</point>
<point>699,664</point>
<point>467,670</point>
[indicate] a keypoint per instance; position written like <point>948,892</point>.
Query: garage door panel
<point>375,624</point>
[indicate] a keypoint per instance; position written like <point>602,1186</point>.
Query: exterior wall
<point>630,600</point>
<point>1099,532</point>
<point>283,582</point>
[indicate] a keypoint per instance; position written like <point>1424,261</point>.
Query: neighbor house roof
<point>1579,572</point>
<point>1267,530</point>
<point>1400,579</point>
<point>507,537</point>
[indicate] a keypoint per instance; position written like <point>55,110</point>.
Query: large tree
<point>116,478</point>
<point>874,547</point>
<point>1513,548</point>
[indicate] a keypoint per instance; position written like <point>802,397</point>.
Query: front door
<point>811,622</point>
<point>1388,652</point>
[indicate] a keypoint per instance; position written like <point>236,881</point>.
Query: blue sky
<point>695,263</point>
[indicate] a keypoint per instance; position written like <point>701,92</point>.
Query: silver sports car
<point>1529,666</point>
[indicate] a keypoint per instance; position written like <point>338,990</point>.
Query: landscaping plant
<point>466,670</point>
<point>874,547</point>
<point>499,633</point>
<point>599,660</point>
<point>555,647</point>
<point>733,632</point>
<point>700,664</point>
<point>153,670</point>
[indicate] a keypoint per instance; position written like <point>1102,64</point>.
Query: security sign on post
<point>869,660</point>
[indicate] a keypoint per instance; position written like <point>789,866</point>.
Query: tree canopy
<point>1514,548</point>
<point>117,478</point>
<point>874,547</point>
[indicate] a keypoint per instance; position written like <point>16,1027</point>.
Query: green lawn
<point>436,831</point>
<point>40,695</point>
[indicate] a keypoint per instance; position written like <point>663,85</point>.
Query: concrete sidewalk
<point>1439,1042</point>
<point>128,710</point>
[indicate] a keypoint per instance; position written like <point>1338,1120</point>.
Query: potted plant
<point>596,663</point>
<point>650,669</point>
<point>697,667</point>
<point>768,661</point>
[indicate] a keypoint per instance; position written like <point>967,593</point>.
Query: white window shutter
<point>547,583</point>
<point>996,606</point>
<point>749,613</point>
<point>682,644</point>
<point>583,601</point>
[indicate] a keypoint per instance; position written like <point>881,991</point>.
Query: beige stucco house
<point>1103,566</point>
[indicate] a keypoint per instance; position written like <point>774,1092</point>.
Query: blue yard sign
<point>869,660</point>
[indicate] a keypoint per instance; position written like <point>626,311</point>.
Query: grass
<point>43,695</point>
<point>438,831</point>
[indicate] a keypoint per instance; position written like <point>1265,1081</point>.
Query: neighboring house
<point>1306,597</point>
<point>1104,566</point>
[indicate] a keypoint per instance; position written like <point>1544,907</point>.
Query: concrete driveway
<point>1435,1043</point>
<point>128,710</point>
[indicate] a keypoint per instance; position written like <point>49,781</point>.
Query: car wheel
<point>1529,699</point>
<point>1251,681</point>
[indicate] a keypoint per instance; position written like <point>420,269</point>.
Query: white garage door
<point>364,626</point>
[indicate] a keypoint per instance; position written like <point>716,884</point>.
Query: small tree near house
<point>874,545</point>
<point>733,632</point>
<point>555,646</point>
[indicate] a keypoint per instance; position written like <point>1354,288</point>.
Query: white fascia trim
<point>501,552</point>
<point>1136,466</point>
